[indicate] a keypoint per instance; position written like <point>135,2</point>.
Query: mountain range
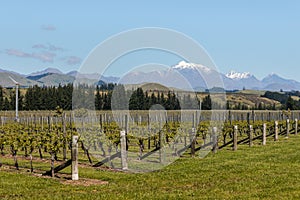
<point>183,75</point>
<point>198,77</point>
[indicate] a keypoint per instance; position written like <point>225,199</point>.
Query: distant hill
<point>198,77</point>
<point>51,79</point>
<point>24,82</point>
<point>183,76</point>
<point>46,71</point>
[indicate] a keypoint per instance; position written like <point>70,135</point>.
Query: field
<point>256,172</point>
<point>260,172</point>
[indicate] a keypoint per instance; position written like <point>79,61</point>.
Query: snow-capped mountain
<point>237,75</point>
<point>182,65</point>
<point>183,75</point>
<point>186,75</point>
<point>240,80</point>
<point>198,76</point>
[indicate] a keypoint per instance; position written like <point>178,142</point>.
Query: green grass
<point>256,92</point>
<point>260,172</point>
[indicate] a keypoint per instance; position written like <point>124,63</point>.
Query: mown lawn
<point>260,172</point>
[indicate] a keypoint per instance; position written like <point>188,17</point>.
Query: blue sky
<point>256,36</point>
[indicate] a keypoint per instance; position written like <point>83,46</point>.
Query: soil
<point>62,178</point>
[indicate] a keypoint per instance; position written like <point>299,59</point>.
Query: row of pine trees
<point>105,97</point>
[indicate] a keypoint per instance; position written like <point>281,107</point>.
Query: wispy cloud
<point>16,52</point>
<point>72,60</point>
<point>48,27</point>
<point>39,46</point>
<point>55,48</point>
<point>49,47</point>
<point>42,56</point>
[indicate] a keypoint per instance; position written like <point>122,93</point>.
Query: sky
<point>260,37</point>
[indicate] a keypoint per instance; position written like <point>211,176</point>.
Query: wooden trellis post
<point>287,128</point>
<point>193,141</point>
<point>126,131</point>
<point>161,147</point>
<point>215,140</point>
<point>250,135</point>
<point>75,158</point>
<point>235,133</point>
<point>248,118</point>
<point>276,131</point>
<point>193,135</point>
<point>264,136</point>
<point>296,126</point>
<point>65,144</point>
<point>123,150</point>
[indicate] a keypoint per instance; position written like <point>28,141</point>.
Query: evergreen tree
<point>119,98</point>
<point>28,99</point>
<point>274,106</point>
<point>83,97</point>
<point>38,103</point>
<point>6,104</point>
<point>187,102</point>
<point>147,103</point>
<point>21,101</point>
<point>137,100</point>
<point>98,99</point>
<point>206,103</point>
<point>175,102</point>
<point>12,101</point>
<point>261,106</point>
<point>290,104</point>
<point>59,95</point>
<point>153,99</point>
<point>1,98</point>
<point>162,100</point>
<point>196,102</point>
<point>158,101</point>
<point>68,96</point>
<point>107,101</point>
<point>169,104</point>
<point>239,107</point>
<point>47,98</point>
<point>227,105</point>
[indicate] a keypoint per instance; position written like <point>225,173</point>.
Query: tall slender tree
<point>98,99</point>
<point>1,98</point>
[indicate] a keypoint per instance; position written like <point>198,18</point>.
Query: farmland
<point>41,141</point>
<point>260,172</point>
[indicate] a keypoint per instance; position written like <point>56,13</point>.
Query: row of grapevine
<point>146,133</point>
<point>142,116</point>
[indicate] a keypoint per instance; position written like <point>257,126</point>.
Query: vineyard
<point>150,140</point>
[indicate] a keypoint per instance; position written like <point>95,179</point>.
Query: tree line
<point>114,96</point>
<point>286,99</point>
<point>104,97</point>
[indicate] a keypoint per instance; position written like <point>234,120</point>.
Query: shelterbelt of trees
<point>69,97</point>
